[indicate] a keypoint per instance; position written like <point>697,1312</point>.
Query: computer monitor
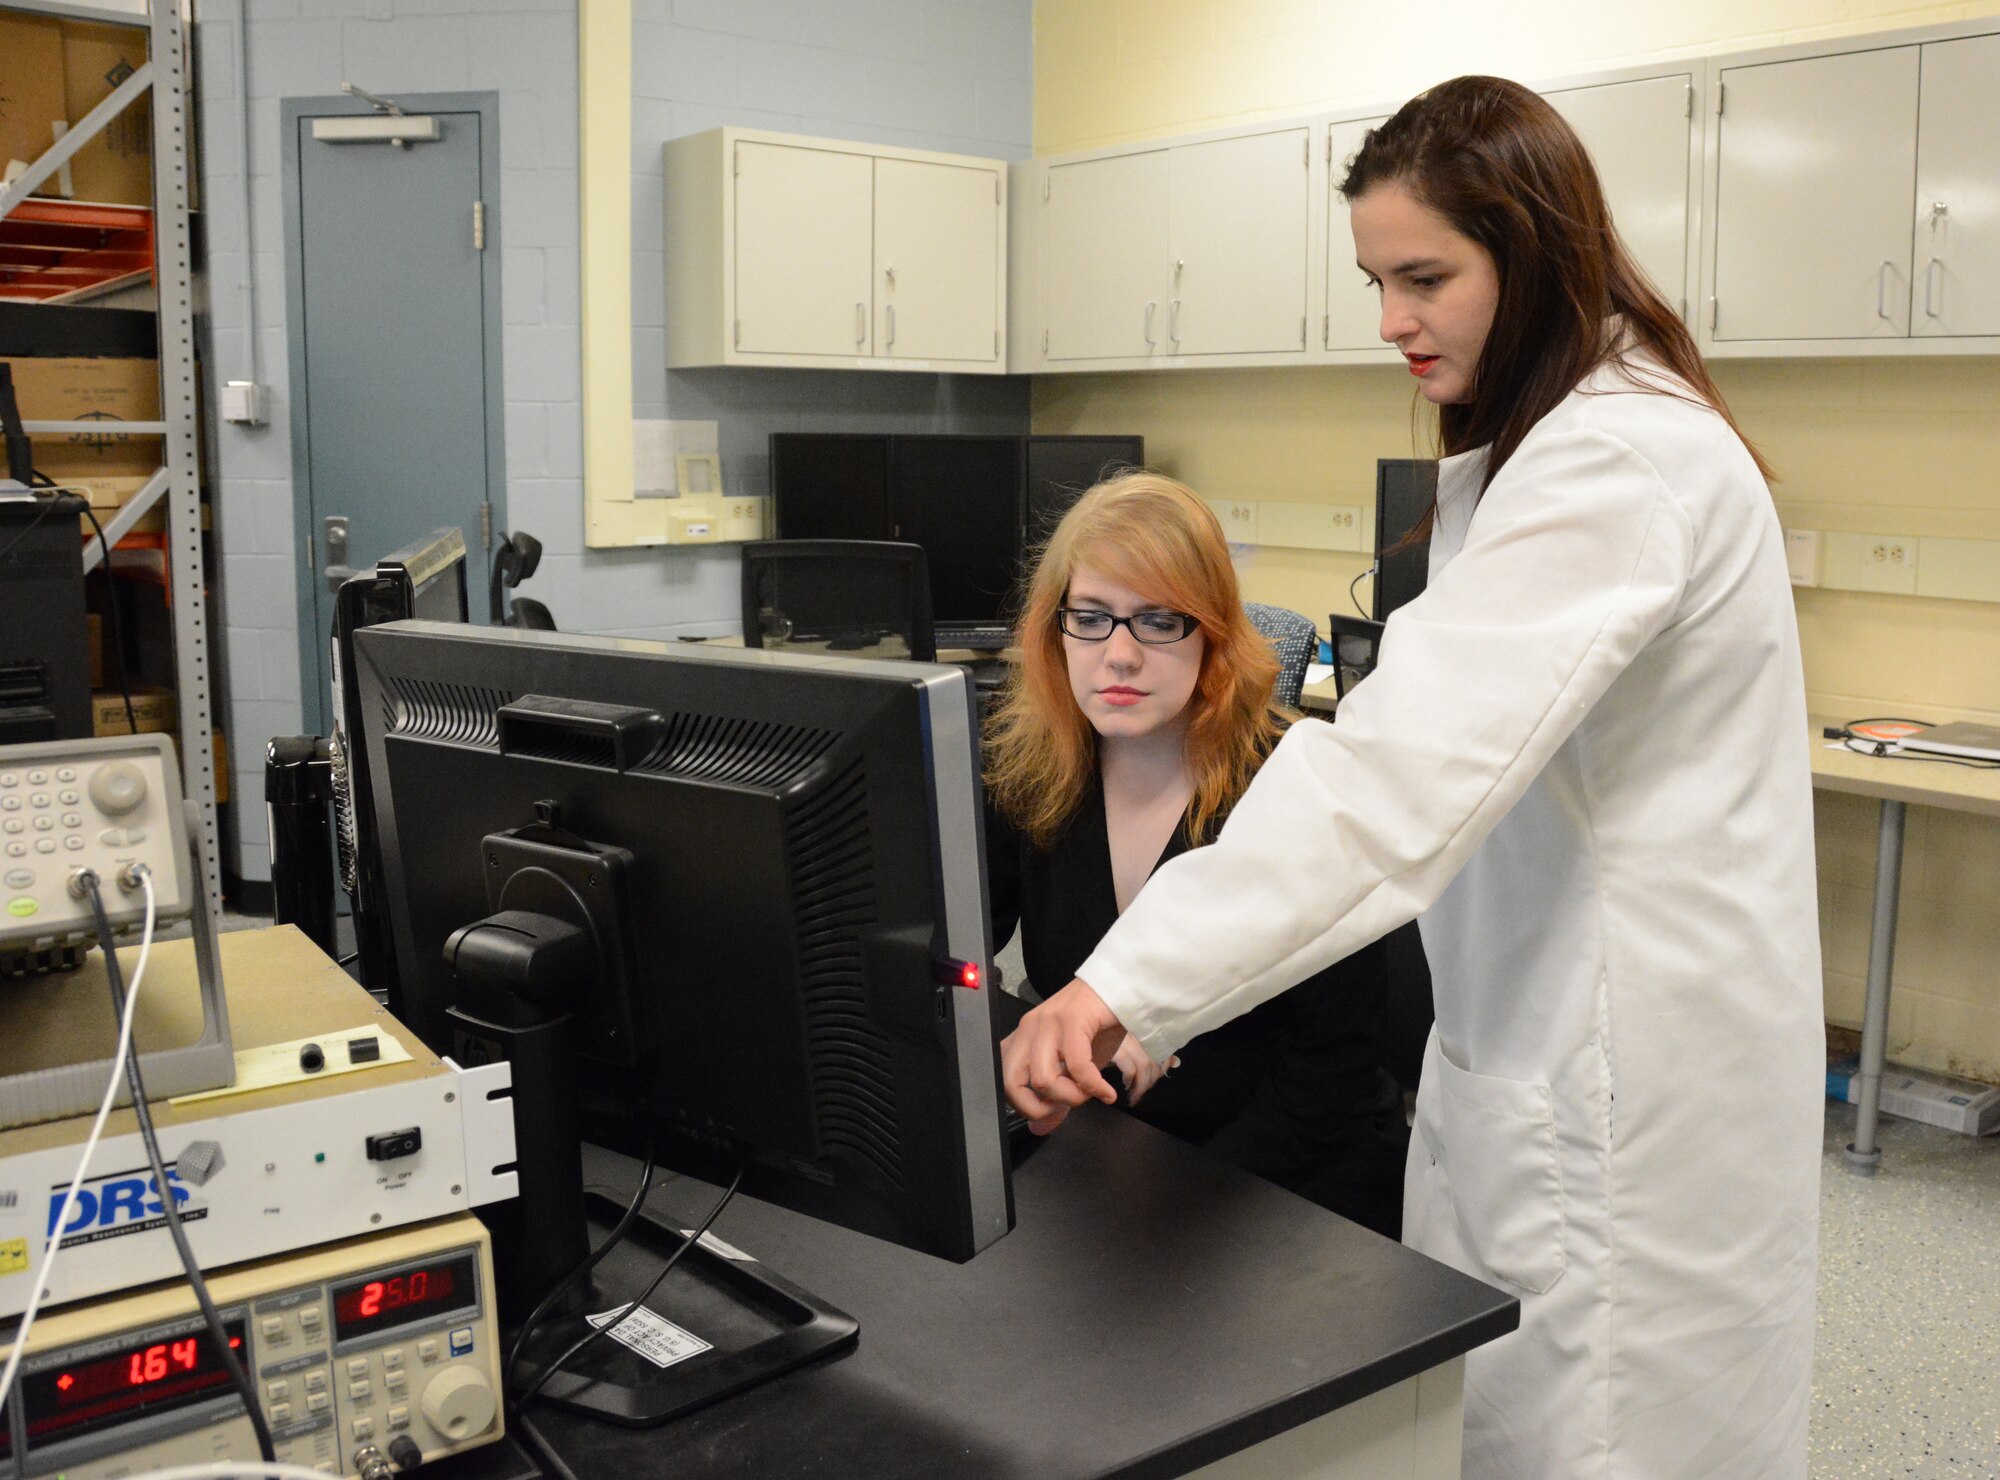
<point>830,486</point>
<point>1062,468</point>
<point>1405,490</point>
<point>785,908</point>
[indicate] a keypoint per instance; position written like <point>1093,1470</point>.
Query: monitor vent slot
<point>740,752</point>
<point>456,714</point>
<point>852,1070</point>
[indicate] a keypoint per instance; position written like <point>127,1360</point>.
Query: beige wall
<point>1902,447</point>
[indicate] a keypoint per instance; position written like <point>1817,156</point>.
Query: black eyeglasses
<point>1155,629</point>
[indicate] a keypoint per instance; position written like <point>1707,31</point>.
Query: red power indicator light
<point>969,977</point>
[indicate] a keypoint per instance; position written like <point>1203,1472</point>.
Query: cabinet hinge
<point>486,525</point>
<point>1721,90</point>
<point>312,553</point>
<point>1329,148</point>
<point>1688,112</point>
<point>1302,331</point>
<point>996,344</point>
<point>1714,314</point>
<point>1308,160</point>
<point>996,190</point>
<point>1047,180</point>
<point>735,162</point>
<point>1045,341</point>
<point>479,226</point>
<point>739,334</point>
<point>1326,331</point>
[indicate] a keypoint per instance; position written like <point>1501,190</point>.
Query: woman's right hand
<point>1049,1064</point>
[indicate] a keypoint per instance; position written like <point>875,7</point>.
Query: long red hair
<point>1151,534</point>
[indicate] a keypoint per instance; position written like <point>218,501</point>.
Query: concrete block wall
<point>941,74</point>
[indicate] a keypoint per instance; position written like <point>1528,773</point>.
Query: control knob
<point>117,787</point>
<point>459,1403</point>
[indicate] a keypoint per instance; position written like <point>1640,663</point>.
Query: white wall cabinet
<point>1871,227</point>
<point>1240,232</point>
<point>789,251</point>
<point>1642,135</point>
<point>1352,318</point>
<point>1104,247</point>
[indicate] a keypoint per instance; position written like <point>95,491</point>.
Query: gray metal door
<point>395,349</point>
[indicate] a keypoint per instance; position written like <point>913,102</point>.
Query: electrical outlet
<point>1239,520</point>
<point>742,518</point>
<point>1871,562</point>
<point>1306,526</point>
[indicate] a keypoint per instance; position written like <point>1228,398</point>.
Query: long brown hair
<point>1151,534</point>
<point>1505,169</point>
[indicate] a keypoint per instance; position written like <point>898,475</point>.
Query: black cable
<point>47,505</point>
<point>217,1332</point>
<point>541,1379</point>
<point>1353,600</point>
<point>117,621</point>
<point>589,1261</point>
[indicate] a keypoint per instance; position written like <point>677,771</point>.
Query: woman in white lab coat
<point>1582,763</point>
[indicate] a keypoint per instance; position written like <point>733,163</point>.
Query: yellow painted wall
<point>1900,447</point>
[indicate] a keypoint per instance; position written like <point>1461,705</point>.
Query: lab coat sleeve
<point>1578,555</point>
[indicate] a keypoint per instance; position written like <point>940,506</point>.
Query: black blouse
<point>1291,1090</point>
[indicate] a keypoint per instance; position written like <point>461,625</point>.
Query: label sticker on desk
<point>715,1245</point>
<point>653,1337</point>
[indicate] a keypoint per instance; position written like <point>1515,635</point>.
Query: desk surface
<point>1926,783</point>
<point>1154,1310</point>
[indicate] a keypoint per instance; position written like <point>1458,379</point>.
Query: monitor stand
<point>755,1324</point>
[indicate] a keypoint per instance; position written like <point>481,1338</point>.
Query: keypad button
<point>392,1359</point>
<point>360,1392</point>
<point>112,837</point>
<point>9,780</point>
<point>39,799</point>
<point>309,1318</point>
<point>427,1350</point>
<point>316,1381</point>
<point>10,804</point>
<point>17,824</point>
<point>45,824</point>
<point>396,1381</point>
<point>135,835</point>
<point>281,1413</point>
<point>72,819</point>
<point>317,1402</point>
<point>45,845</point>
<point>461,1341</point>
<point>66,773</point>
<point>273,1327</point>
<point>73,843</point>
<point>399,1417</point>
<point>17,850</point>
<point>357,1367</point>
<point>38,778</point>
<point>364,1428</point>
<point>69,798</point>
<point>20,878</point>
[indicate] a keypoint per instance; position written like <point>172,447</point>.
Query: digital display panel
<point>391,1298</point>
<point>147,1377</point>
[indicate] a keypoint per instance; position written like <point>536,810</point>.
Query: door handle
<point>1930,287</point>
<point>1174,322</point>
<point>336,570</point>
<point>1150,307</point>
<point>1882,290</point>
<point>892,326</point>
<point>860,324</point>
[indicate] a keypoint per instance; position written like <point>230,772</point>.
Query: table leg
<point>1863,1157</point>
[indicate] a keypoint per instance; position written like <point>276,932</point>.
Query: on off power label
<point>119,1203</point>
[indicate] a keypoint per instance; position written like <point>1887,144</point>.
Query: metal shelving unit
<point>163,79</point>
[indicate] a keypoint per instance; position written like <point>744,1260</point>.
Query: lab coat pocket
<point>1495,1141</point>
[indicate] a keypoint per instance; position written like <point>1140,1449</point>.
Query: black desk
<point>1153,1312</point>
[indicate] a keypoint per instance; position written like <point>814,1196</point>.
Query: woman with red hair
<point>1139,712</point>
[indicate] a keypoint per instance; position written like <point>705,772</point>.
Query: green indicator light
<point>319,1156</point>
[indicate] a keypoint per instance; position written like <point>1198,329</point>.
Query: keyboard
<point>984,636</point>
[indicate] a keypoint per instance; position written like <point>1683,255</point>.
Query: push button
<point>66,773</point>
<point>309,1318</point>
<point>395,1382</point>
<point>280,1390</point>
<point>461,1341</point>
<point>273,1328</point>
<point>392,1359</point>
<point>317,1402</point>
<point>316,1381</point>
<point>427,1350</point>
<point>357,1367</point>
<point>399,1417</point>
<point>360,1392</point>
<point>364,1428</point>
<point>281,1413</point>
<point>20,878</point>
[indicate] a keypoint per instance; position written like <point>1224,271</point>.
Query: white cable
<point>89,1147</point>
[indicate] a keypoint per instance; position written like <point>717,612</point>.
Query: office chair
<point>1296,643</point>
<point>514,560</point>
<point>1356,643</point>
<point>864,598</point>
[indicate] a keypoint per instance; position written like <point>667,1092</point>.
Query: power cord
<point>591,1260</point>
<point>1354,585</point>
<point>55,1245</point>
<point>190,1266</point>
<point>117,620</point>
<point>541,1380</point>
<point>1878,748</point>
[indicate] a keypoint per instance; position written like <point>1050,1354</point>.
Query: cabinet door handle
<point>860,324</point>
<point>892,326</point>
<point>1882,290</point>
<point>1930,287</point>
<point>1174,322</point>
<point>1150,307</point>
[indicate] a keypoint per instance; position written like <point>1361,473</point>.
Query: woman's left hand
<point>1141,1070</point>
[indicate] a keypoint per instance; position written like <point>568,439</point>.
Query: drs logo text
<point>118,1204</point>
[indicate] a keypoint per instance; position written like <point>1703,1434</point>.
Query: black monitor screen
<point>1405,489</point>
<point>961,499</point>
<point>1060,469</point>
<point>830,486</point>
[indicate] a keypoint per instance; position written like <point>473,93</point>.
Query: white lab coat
<point>1583,760</point>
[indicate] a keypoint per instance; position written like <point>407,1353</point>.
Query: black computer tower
<point>44,638</point>
<point>1405,491</point>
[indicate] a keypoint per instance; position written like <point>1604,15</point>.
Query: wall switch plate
<point>243,401</point>
<point>1802,556</point>
<point>698,527</point>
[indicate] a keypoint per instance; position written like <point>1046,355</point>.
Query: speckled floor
<point>1906,1377</point>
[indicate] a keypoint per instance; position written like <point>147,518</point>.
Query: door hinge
<point>1688,112</point>
<point>1308,142</point>
<point>1714,314</point>
<point>479,226</point>
<point>1326,331</point>
<point>486,525</point>
<point>1302,331</point>
<point>1721,89</point>
<point>738,340</point>
<point>312,553</point>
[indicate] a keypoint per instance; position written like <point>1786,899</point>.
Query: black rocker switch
<point>393,1144</point>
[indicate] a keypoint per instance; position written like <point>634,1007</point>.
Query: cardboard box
<point>109,494</point>
<point>106,390</point>
<point>156,709</point>
<point>31,89</point>
<point>1962,1105</point>
<point>117,165</point>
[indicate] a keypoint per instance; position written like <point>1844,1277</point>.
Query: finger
<point>1045,1068</point>
<point>1048,1122</point>
<point>1082,1065</point>
<point>1014,1079</point>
